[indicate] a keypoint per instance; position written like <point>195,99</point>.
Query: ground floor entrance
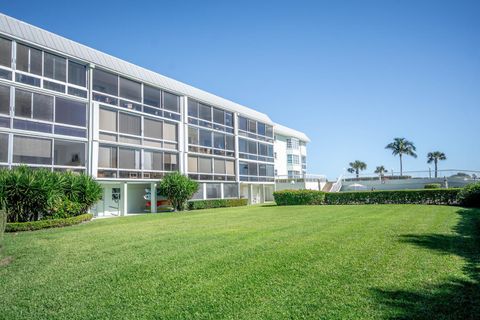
<point>257,193</point>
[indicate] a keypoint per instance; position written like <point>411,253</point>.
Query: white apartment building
<point>65,106</point>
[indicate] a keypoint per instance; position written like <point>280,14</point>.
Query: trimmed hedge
<point>470,195</point>
<point>422,196</point>
<point>44,224</point>
<point>216,203</point>
<point>299,197</point>
<point>433,186</point>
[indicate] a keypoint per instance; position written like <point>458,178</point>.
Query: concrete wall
<point>404,184</point>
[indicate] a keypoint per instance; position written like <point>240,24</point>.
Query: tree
<point>400,147</point>
<point>380,170</point>
<point>356,167</point>
<point>434,157</point>
<point>177,188</point>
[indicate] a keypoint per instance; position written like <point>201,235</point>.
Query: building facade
<point>68,107</point>
<point>290,152</point>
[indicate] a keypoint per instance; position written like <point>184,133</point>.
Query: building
<point>290,152</point>
<point>65,106</point>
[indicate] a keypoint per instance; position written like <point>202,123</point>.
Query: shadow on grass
<point>456,298</point>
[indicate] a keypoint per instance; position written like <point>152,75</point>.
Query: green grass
<point>328,262</point>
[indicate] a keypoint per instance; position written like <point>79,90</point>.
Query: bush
<point>422,196</point>
<point>433,186</point>
<point>3,220</point>
<point>44,224</point>
<point>217,203</point>
<point>32,195</point>
<point>177,188</point>
<point>299,197</point>
<point>469,196</point>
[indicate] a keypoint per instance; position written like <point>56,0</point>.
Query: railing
<point>457,174</point>
<point>301,178</point>
<point>337,185</point>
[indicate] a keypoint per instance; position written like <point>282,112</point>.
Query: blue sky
<point>351,74</point>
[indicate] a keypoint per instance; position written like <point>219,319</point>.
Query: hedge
<point>422,196</point>
<point>299,197</point>
<point>433,186</point>
<point>44,224</point>
<point>216,203</point>
<point>470,195</point>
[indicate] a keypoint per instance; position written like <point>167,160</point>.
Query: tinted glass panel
<point>151,96</point>
<point>129,124</point>
<point>77,74</point>
<point>204,165</point>
<point>67,153</point>
<point>42,107</point>
<point>192,164</point>
<point>169,131</point>
<point>205,112</point>
<point>219,166</point>
<point>229,119</point>
<point>205,138</point>
<point>70,112</point>
<point>4,99</point>
<point>170,101</point>
<point>3,148</point>
<point>108,120</point>
<point>192,108</point>
<point>32,150</point>
<point>229,142</point>
<point>242,123</point>
<point>261,128</point>
<point>55,67</point>
<point>213,190</point>
<point>107,157</point>
<point>153,128</point>
<point>105,82</point>
<point>130,89</point>
<point>152,160</point>
<point>218,116</point>
<point>218,140</point>
<point>170,161</point>
<point>23,103</point>
<point>128,158</point>
<point>192,135</point>
<point>5,52</point>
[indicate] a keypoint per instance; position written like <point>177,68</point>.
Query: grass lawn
<point>261,262</point>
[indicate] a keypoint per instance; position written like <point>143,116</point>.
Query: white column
<point>124,200</point>
<point>183,136</point>
<point>250,193</point>
<point>153,197</point>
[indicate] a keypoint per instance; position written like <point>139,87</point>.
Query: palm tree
<point>400,147</point>
<point>356,167</point>
<point>434,157</point>
<point>380,170</point>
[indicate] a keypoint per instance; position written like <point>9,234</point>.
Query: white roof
<point>48,40</point>
<point>285,131</point>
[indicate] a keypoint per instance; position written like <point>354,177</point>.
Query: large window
<point>77,74</point>
<point>5,52</point>
<point>230,190</point>
<point>4,99</point>
<point>29,59</point>
<point>205,138</point>
<point>152,160</point>
<point>107,157</point>
<point>151,96</point>
<point>292,143</point>
<point>253,150</point>
<point>130,124</point>
<point>206,116</point>
<point>54,67</point>
<point>205,168</point>
<point>255,129</point>
<point>169,131</point>
<point>129,158</point>
<point>214,190</point>
<point>32,150</point>
<point>33,105</point>
<point>153,128</point>
<point>68,153</point>
<point>293,159</point>
<point>70,112</point>
<point>192,135</point>
<point>105,82</point>
<point>171,101</point>
<point>108,120</point>
<point>130,89</point>
<point>252,171</point>
<point>171,161</point>
<point>3,148</point>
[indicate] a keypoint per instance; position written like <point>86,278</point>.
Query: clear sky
<point>351,74</point>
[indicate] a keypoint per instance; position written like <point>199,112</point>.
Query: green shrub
<point>433,186</point>
<point>217,203</point>
<point>3,220</point>
<point>44,224</point>
<point>469,196</point>
<point>177,188</point>
<point>422,196</point>
<point>299,197</point>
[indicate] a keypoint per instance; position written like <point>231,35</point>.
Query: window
<point>192,164</point>
<point>261,128</point>
<point>105,82</point>
<point>4,99</point>
<point>129,124</point>
<point>293,159</point>
<point>128,158</point>
<point>5,52</point>
<point>67,153</point>
<point>170,101</point>
<point>292,144</point>
<point>229,167</point>
<point>192,135</point>
<point>229,142</point>
<point>204,165</point>
<point>228,119</point>
<point>42,107</point>
<point>242,123</point>
<point>3,147</point>
<point>218,116</point>
<point>205,138</point>
<point>252,126</point>
<point>54,67</point>
<point>262,149</point>
<point>262,169</point>
<point>32,150</point>
<point>219,166</point>
<point>107,157</point>
<point>252,147</point>
<point>77,74</point>
<point>230,190</point>
<point>213,190</point>
<point>169,131</point>
<point>130,89</point>
<point>252,169</point>
<point>151,96</point>
<point>152,160</point>
<point>108,120</point>
<point>29,59</point>
<point>192,108</point>
<point>152,128</point>
<point>243,145</point>
<point>218,140</point>
<point>270,170</point>
<point>70,112</point>
<point>269,131</point>
<point>23,103</point>
<point>171,162</point>
<point>205,112</point>
<point>243,166</point>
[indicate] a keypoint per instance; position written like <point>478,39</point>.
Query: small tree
<point>177,188</point>
<point>434,157</point>
<point>356,167</point>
